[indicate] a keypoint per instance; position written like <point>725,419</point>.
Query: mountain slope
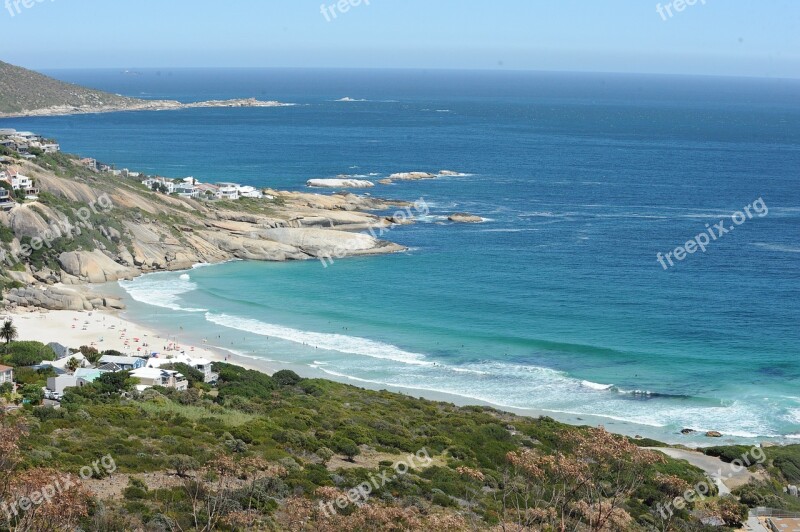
<point>23,90</point>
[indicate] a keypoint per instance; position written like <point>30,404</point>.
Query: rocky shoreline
<point>142,105</point>
<point>142,231</point>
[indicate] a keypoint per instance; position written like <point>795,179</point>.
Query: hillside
<point>24,90</point>
<point>283,453</point>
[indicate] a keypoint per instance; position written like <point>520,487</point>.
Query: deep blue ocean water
<point>558,301</point>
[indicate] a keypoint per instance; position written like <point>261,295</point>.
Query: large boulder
<point>340,183</point>
<point>249,248</point>
<point>94,267</point>
<point>323,242</point>
<point>61,298</point>
<point>27,221</point>
<point>48,298</point>
<point>465,218</point>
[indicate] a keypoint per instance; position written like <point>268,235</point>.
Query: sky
<point>758,38</point>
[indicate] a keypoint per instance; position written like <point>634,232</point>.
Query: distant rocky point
<point>140,105</point>
<point>27,93</point>
<point>416,176</point>
<point>340,182</point>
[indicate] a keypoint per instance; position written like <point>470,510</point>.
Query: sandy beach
<point>103,331</point>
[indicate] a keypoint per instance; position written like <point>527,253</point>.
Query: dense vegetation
<point>277,453</point>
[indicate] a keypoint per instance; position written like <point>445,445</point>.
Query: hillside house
<point>149,377</point>
<point>6,375</point>
<point>124,363</point>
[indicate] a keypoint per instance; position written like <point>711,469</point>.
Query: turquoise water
<point>557,302</point>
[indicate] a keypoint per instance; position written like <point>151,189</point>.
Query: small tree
<point>73,364</point>
<point>9,332</point>
<point>182,464</point>
<point>91,353</point>
<point>193,375</point>
<point>287,377</point>
<point>32,393</point>
<point>347,447</point>
<point>324,454</point>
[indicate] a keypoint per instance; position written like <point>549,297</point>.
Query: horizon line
<point>419,69</point>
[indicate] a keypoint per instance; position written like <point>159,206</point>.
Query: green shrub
<point>27,353</point>
<point>286,378</point>
<point>193,375</point>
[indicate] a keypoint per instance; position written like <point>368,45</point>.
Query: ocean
<point>557,303</point>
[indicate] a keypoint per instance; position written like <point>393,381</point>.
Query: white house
<point>187,190</point>
<point>6,375</point>
<point>50,147</point>
<point>62,382</point>
<point>21,181</point>
<point>62,363</point>
<point>27,136</point>
<point>149,377</point>
<point>24,183</point>
<point>200,364</point>
<point>170,186</point>
<point>89,163</point>
<point>204,367</point>
<point>250,192</point>
<point>228,191</point>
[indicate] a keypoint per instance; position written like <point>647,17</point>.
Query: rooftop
<point>111,359</point>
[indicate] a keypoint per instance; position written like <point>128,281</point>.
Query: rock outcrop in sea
<point>340,182</point>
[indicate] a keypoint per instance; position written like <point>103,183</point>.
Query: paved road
<point>724,475</point>
<point>753,524</point>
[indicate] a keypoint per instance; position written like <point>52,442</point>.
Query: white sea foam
<point>349,377</point>
<point>777,247</point>
<point>596,386</point>
<point>539,214</point>
<point>327,341</point>
<point>509,230</point>
<point>432,218</point>
<point>162,291</point>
